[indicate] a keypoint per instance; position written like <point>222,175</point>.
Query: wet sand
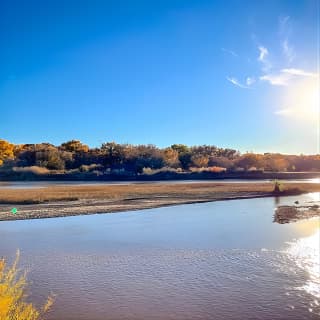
<point>61,201</point>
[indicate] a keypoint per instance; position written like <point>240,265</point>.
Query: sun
<point>301,100</point>
<point>308,98</point>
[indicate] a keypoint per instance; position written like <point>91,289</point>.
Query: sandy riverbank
<point>60,201</point>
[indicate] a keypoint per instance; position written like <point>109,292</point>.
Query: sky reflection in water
<point>211,260</point>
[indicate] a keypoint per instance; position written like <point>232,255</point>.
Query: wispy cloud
<point>283,24</point>
<point>280,79</point>
<point>250,81</point>
<point>283,77</point>
<point>300,72</point>
<point>230,52</point>
<point>298,92</point>
<point>263,58</point>
<point>288,50</point>
<point>263,53</point>
<point>235,82</point>
<point>285,31</point>
<point>283,112</point>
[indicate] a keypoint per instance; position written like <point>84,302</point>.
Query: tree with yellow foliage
<point>171,157</point>
<point>75,146</point>
<point>6,151</point>
<point>13,305</point>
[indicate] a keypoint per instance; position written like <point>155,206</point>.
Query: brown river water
<point>218,260</point>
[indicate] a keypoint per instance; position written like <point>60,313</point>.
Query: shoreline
<point>166,176</point>
<point>63,201</point>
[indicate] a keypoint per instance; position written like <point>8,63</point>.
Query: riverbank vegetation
<point>13,295</point>
<point>75,159</point>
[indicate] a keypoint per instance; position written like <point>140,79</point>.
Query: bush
<point>91,167</point>
<point>196,169</point>
<point>217,169</point>
<point>32,169</point>
<point>149,171</point>
<point>13,295</point>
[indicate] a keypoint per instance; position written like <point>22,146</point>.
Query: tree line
<point>112,157</point>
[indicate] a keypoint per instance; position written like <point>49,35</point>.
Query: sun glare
<point>302,100</point>
<point>305,253</point>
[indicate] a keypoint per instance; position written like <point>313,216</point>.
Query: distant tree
<point>113,155</point>
<point>74,146</point>
<point>6,151</point>
<point>204,150</point>
<point>305,163</point>
<point>48,156</point>
<point>250,160</point>
<point>134,158</point>
<point>184,155</point>
<point>280,164</point>
<point>222,162</point>
<point>200,161</point>
<point>276,162</point>
<point>53,160</point>
<point>43,155</point>
<point>230,154</point>
<point>67,159</point>
<point>185,160</point>
<point>26,157</point>
<point>180,148</point>
<point>17,149</point>
<point>171,157</point>
<point>148,156</point>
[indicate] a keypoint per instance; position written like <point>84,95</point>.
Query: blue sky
<point>239,74</point>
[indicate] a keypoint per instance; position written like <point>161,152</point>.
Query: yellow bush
<point>13,304</point>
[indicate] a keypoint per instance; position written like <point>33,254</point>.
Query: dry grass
<point>117,192</point>
<point>32,169</point>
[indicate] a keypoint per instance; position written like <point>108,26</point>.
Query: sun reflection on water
<point>315,196</point>
<point>305,253</point>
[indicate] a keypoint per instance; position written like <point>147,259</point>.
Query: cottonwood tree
<point>74,146</point>
<point>171,157</point>
<point>250,160</point>
<point>6,151</point>
<point>200,161</point>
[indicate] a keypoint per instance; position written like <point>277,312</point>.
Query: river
<point>218,260</point>
<point>44,184</point>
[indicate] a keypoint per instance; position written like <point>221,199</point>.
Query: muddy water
<point>219,260</point>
